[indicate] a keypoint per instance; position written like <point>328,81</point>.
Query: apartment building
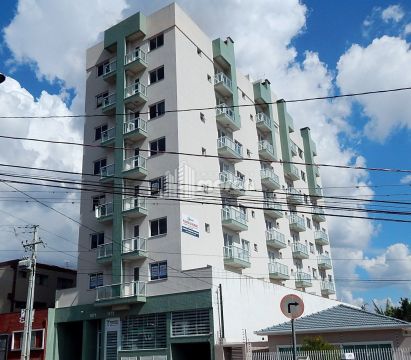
<point>194,229</point>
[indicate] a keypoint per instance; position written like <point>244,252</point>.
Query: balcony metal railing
<point>106,171</point>
<point>265,145</point>
<point>231,213</point>
<point>324,260</point>
<point>262,118</point>
<point>276,267</point>
<point>235,252</point>
<point>133,244</point>
<point>223,78</point>
<point>110,67</point>
<point>226,110</point>
<point>109,100</point>
<point>108,134</point>
<point>104,210</point>
<point>225,141</point>
<point>299,247</point>
<point>134,162</point>
<point>113,291</point>
<point>297,220</point>
<point>134,55</point>
<point>133,89</point>
<point>134,202</point>
<point>302,276</point>
<point>232,180</point>
<point>269,173</point>
<point>270,204</point>
<point>274,235</point>
<point>321,236</point>
<point>133,123</point>
<point>104,250</point>
<point>328,286</point>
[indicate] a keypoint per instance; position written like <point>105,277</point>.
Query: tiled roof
<point>338,318</point>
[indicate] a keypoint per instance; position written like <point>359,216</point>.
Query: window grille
<point>188,323</point>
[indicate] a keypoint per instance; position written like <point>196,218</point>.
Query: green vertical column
<point>89,347</point>
<point>284,120</point>
<point>309,159</point>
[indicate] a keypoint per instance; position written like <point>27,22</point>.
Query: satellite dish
<point>2,78</point>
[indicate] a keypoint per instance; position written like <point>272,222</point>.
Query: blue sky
<point>308,48</point>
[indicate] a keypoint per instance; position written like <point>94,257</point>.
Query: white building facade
<point>195,222</point>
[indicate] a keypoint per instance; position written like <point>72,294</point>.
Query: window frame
<point>157,113</point>
<point>99,161</point>
<point>158,220</point>
<point>98,275</point>
<point>98,131</point>
<point>158,141</point>
<point>95,204</point>
<point>156,72</point>
<point>100,97</point>
<point>13,340</point>
<point>158,264</point>
<point>161,181</point>
<point>99,236</point>
<point>155,41</point>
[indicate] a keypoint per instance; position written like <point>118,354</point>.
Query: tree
<point>402,312</point>
<point>316,343</point>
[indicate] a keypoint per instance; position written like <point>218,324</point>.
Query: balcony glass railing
<point>225,141</point>
<point>108,134</point>
<point>274,235</point>
<point>104,210</point>
<point>223,78</point>
<point>269,174</point>
<point>107,171</point>
<point>321,235</point>
<point>134,244</point>
<point>104,250</point>
<point>297,220</point>
<point>235,252</point>
<point>137,88</point>
<point>134,162</point>
<point>277,268</point>
<point>299,247</point>
<point>133,288</point>
<point>134,55</point>
<point>133,202</point>
<point>110,67</point>
<point>228,178</point>
<point>265,145</point>
<point>302,276</point>
<point>231,213</point>
<point>262,118</point>
<point>318,212</point>
<point>270,204</point>
<point>328,286</point>
<point>132,123</point>
<point>226,110</point>
<point>109,100</point>
<point>324,260</point>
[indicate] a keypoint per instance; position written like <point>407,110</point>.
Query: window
<point>37,340</point>
<point>253,214</point>
<point>158,270</point>
<point>308,223</point>
<point>97,165</point>
<point>190,323</point>
<point>300,153</point>
<point>251,117</point>
<point>245,245</point>
<point>202,117</point>
<point>302,175</point>
<point>158,226</point>
<point>207,228</point>
<point>42,279</point>
<point>312,250</point>
<point>255,247</point>
<point>156,75</point>
<point>209,78</point>
<point>100,67</point>
<point>315,274</point>
<point>199,52</point>
<point>203,151</point>
<point>96,239</point>
<point>158,185</point>
<point>157,146</point>
<point>98,200</point>
<point>63,283</point>
<point>100,98</point>
<point>98,131</point>
<point>243,95</point>
<point>156,42</point>
<point>96,280</point>
<point>248,153</point>
<point>157,109</point>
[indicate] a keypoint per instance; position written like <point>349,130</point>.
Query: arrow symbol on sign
<point>292,304</point>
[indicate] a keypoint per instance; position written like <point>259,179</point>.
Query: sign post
<point>292,306</point>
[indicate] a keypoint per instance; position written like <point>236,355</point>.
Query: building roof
<point>14,263</point>
<point>338,318</point>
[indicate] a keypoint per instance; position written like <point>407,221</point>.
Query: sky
<point>305,48</point>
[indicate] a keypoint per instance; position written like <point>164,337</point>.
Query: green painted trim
<point>121,300</point>
<point>89,343</point>
<point>309,159</point>
<point>284,121</point>
<point>51,343</point>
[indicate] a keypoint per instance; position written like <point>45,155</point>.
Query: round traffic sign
<point>292,306</point>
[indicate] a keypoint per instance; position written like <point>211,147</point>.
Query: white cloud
<point>407,29</point>
<point>406,180</point>
<point>392,13</point>
<point>384,64</point>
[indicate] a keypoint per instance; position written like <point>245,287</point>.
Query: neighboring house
<point>14,284</point>
<point>348,327</point>
<point>11,335</point>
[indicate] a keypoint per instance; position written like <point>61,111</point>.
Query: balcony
<point>300,251</point>
<point>226,117</point>
<point>278,271</point>
<point>318,215</point>
<point>293,148</point>
<point>223,84</point>
<point>263,122</point>
<point>324,262</point>
<point>109,71</point>
<point>134,248</point>
<point>115,294</point>
<point>297,223</point>
<point>108,136</point>
<point>318,192</point>
<point>135,94</point>
<point>135,61</point>
<point>266,150</point>
<point>104,212</point>
<point>104,252</point>
<point>272,208</point>
<point>321,237</point>
<point>231,183</point>
<point>291,171</point>
<point>233,218</point>
<point>294,196</point>
<point>107,173</point>
<point>134,128</point>
<point>134,207</point>
<point>229,149</point>
<point>108,104</point>
<point>302,280</point>
<point>135,167</point>
<point>327,287</point>
<point>275,239</point>
<point>236,257</point>
<point>270,179</point>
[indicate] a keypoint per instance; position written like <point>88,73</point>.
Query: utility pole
<point>30,266</point>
